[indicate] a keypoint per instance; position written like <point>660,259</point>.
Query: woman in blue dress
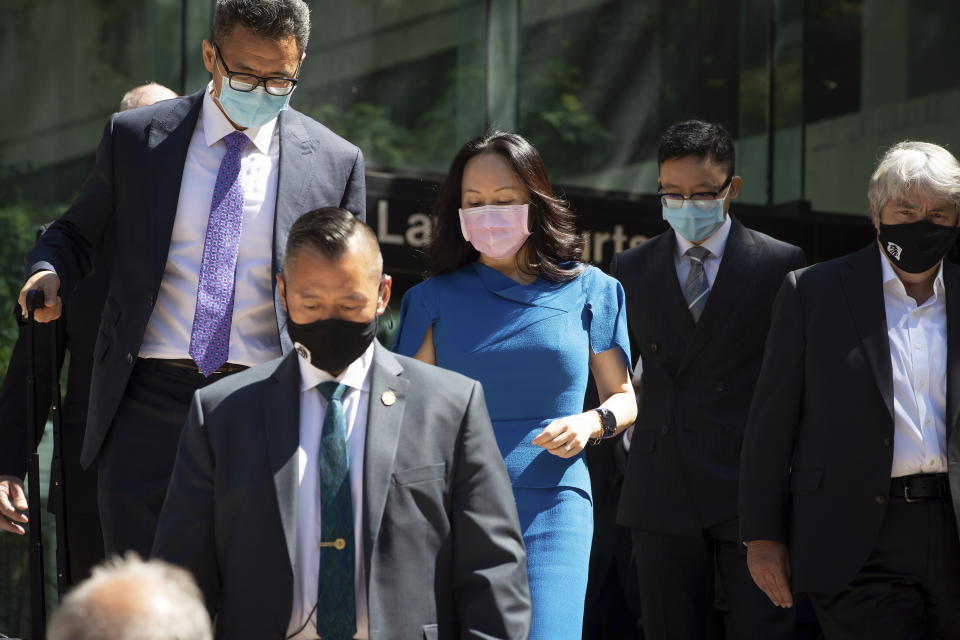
<point>510,304</point>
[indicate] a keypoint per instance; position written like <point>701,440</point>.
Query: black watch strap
<point>609,422</point>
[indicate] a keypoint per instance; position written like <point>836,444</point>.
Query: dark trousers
<point>679,578</point>
<point>909,587</point>
<point>137,458</point>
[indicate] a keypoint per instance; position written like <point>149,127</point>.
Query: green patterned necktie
<point>336,602</point>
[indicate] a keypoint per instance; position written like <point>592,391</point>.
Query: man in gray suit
<point>199,193</point>
<point>343,491</point>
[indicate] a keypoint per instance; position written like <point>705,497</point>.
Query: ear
<point>736,183</point>
<point>282,287</point>
<point>209,58</point>
<point>383,299</point>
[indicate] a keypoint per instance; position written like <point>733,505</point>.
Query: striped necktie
<point>697,289</point>
<point>336,602</point>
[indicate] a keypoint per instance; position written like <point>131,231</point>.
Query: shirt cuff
<point>626,438</point>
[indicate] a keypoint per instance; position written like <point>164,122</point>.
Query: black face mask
<point>331,345</point>
<point>916,246</point>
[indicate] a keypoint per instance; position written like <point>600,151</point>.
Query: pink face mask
<point>496,231</point>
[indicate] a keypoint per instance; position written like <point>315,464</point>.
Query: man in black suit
<point>76,334</point>
<point>851,456</point>
<point>380,470</point>
<point>698,306</point>
<point>200,192</point>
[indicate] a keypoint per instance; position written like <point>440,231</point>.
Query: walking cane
<point>59,496</point>
<point>38,603</point>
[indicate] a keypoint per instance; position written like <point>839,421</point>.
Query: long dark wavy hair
<point>554,248</point>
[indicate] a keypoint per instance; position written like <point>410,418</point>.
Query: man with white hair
<point>129,599</point>
<point>145,95</point>
<point>852,450</point>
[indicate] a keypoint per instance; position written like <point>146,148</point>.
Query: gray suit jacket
<point>444,554</point>
<point>133,191</point>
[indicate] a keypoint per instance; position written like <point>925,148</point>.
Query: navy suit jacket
<point>133,191</point>
<point>697,379</point>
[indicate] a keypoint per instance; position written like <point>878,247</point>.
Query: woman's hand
<point>566,437</point>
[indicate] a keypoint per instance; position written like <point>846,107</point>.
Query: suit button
<point>664,429</point>
<point>886,442</point>
<point>719,387</point>
<point>654,347</point>
<point>151,301</point>
<point>881,499</point>
<point>129,358</point>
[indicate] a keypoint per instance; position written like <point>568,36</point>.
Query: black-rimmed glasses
<point>247,82</point>
<point>702,199</point>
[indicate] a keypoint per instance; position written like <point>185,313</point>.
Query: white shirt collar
<point>356,376</point>
<point>216,125</point>
<point>716,243</point>
<point>891,279</point>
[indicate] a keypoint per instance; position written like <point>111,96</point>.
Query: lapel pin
<point>388,398</point>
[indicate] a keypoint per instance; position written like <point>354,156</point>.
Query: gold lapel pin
<point>388,398</point>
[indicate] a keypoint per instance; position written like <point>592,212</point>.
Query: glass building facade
<point>812,90</point>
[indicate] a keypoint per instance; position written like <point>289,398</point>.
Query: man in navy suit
<point>200,192</point>
<point>698,303</point>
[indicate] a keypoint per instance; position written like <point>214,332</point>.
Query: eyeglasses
<point>247,82</point>
<point>703,200</point>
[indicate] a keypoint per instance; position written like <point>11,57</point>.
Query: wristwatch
<point>609,423</point>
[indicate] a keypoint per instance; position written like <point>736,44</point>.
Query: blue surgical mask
<point>696,220</point>
<point>251,109</point>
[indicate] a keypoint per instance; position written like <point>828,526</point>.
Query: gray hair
<point>144,95</point>
<point>162,603</point>
<point>272,19</point>
<point>914,165</point>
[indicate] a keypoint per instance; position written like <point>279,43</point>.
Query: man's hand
<point>769,565</point>
<point>12,501</point>
<point>566,437</point>
<point>49,283</point>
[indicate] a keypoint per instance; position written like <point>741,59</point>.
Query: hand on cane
<point>49,283</point>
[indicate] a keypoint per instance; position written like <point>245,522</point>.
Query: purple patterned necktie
<point>210,337</point>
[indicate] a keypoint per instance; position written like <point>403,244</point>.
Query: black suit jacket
<point>133,191</point>
<point>76,332</point>
<point>444,553</point>
<point>819,444</point>
<point>698,378</point>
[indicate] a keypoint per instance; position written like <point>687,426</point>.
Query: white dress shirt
<point>313,406</point>
<point>253,334</point>
<point>918,355</point>
<point>716,244</point>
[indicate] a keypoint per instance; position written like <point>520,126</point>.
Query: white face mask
<point>496,231</point>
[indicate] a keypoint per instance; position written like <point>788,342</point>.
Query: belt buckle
<point>906,493</point>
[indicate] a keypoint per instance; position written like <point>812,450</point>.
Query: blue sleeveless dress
<point>529,346</point>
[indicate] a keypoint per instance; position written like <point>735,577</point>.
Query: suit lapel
<point>663,275</point>
<point>168,140</point>
<point>951,281</point>
<point>733,278</point>
<point>281,421</point>
<point>388,399</point>
<point>863,288</point>
<point>297,159</point>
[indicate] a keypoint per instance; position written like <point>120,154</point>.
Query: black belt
<point>923,486</point>
<point>190,365</point>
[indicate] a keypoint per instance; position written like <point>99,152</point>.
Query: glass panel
<point>404,81</point>
<point>600,80</point>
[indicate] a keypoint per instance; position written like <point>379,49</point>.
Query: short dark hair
<point>272,19</point>
<point>698,138</point>
<point>328,232</point>
<point>554,246</point>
